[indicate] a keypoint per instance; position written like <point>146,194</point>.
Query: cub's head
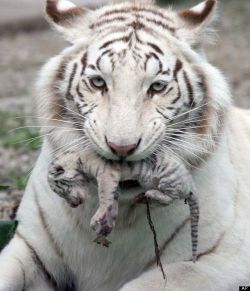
<point>134,81</point>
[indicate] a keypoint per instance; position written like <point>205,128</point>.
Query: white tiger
<point>135,76</point>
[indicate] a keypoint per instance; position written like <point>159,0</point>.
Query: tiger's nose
<point>122,150</point>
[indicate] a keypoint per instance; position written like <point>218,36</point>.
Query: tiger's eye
<point>157,87</point>
<point>98,82</point>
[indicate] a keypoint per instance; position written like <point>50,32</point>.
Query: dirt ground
<point>22,53</point>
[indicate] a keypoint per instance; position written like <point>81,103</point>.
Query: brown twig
<point>157,250</point>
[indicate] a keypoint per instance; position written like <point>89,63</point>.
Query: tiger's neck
<point>216,185</point>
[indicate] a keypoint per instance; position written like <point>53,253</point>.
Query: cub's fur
<point>163,179</point>
<point>135,77</point>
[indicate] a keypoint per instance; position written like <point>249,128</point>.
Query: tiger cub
<point>163,180</point>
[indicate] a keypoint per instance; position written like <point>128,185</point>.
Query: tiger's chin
<point>138,155</point>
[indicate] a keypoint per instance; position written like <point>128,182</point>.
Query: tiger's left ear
<point>196,22</point>
<point>67,18</point>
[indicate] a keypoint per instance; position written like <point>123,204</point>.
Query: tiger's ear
<point>196,22</point>
<point>68,18</point>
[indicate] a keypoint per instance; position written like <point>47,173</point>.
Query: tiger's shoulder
<point>239,142</point>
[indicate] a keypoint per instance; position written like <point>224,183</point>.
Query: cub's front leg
<point>66,178</point>
<point>103,221</point>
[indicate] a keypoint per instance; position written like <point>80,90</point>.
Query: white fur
<point>199,8</point>
<point>65,5</point>
<point>222,182</point>
<point>224,203</point>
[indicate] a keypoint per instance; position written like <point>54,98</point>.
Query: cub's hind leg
<point>175,181</point>
<point>169,180</point>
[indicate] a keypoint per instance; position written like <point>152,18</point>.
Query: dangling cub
<point>163,179</point>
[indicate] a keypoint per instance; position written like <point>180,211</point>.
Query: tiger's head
<point>134,81</point>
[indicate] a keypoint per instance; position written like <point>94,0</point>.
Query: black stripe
<point>177,111</point>
<point>92,67</point>
<point>46,228</point>
<point>112,61</point>
<point>155,47</point>
<point>137,9</point>
<point>137,25</point>
<point>68,94</point>
<point>146,61</point>
<point>84,62</point>
<point>136,55</point>
<point>106,21</point>
<point>79,92</point>
<point>61,70</point>
<point>154,12</point>
<point>166,72</point>
<point>169,90</point>
<point>87,85</point>
<point>178,95</point>
<point>124,39</point>
<point>178,67</point>
<point>100,57</point>
<point>148,56</point>
<point>190,90</point>
<point>90,110</point>
<point>160,23</point>
<point>138,39</point>
<point>105,52</point>
<point>169,173</point>
<point>155,56</point>
<point>162,114</point>
<point>50,278</point>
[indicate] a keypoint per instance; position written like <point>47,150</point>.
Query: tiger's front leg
<point>19,269</point>
<point>105,217</point>
<point>66,178</point>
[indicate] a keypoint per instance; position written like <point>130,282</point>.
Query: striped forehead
<point>120,55</point>
<point>130,29</point>
<point>132,50</point>
<point>149,18</point>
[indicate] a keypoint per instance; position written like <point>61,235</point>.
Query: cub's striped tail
<point>193,203</point>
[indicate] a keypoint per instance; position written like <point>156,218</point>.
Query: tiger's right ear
<point>68,18</point>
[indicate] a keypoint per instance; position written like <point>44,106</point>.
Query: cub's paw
<point>104,220</point>
<point>73,194</point>
<point>77,196</point>
<point>69,183</point>
<point>158,196</point>
<point>102,240</point>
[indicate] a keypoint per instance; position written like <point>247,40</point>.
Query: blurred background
<point>26,42</point>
